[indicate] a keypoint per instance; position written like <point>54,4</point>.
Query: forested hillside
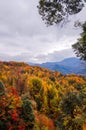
<point>34,98</point>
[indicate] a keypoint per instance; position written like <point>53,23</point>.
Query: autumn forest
<point>33,98</point>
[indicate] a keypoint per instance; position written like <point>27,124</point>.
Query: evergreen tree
<point>27,113</point>
<point>80,46</point>
<point>2,89</point>
<point>72,113</point>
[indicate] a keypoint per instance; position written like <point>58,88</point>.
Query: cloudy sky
<point>25,37</point>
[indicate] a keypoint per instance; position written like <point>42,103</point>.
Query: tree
<point>72,112</point>
<point>27,113</point>
<point>2,89</point>
<point>3,102</point>
<point>80,46</point>
<point>35,91</point>
<point>55,11</point>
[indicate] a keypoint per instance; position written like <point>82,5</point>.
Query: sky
<point>25,37</point>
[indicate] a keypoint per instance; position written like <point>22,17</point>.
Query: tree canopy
<point>49,100</point>
<point>80,46</point>
<point>56,11</point>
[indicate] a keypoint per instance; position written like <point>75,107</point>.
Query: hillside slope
<point>33,98</point>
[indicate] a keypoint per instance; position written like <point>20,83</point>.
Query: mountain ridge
<point>66,66</point>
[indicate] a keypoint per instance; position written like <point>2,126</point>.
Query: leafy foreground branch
<point>56,11</point>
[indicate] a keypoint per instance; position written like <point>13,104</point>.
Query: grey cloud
<point>29,57</point>
<point>56,56</point>
<point>24,35</point>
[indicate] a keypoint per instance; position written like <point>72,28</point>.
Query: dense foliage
<point>32,98</point>
<point>55,11</point>
<point>80,46</point>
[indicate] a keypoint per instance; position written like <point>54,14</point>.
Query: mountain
<point>67,66</point>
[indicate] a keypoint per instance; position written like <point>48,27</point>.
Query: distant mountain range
<point>67,66</point>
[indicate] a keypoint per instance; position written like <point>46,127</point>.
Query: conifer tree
<point>80,46</point>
